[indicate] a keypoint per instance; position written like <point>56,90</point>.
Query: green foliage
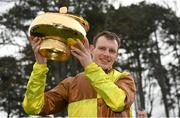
<point>11,89</point>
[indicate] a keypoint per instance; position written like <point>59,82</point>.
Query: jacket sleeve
<point>37,101</point>
<point>114,94</point>
<point>34,96</point>
<point>56,99</point>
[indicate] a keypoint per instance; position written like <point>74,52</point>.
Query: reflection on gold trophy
<point>61,30</point>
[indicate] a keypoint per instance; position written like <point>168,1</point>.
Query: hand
<point>141,114</point>
<point>82,53</point>
<point>35,43</point>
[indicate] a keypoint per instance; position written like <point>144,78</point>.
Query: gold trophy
<point>61,30</point>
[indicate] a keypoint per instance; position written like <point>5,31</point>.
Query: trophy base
<point>54,49</point>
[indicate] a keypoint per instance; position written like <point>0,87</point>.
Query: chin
<point>104,67</point>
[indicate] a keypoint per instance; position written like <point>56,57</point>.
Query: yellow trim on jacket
<point>104,85</point>
<point>34,96</point>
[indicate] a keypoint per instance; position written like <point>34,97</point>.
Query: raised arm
<point>36,100</point>
<point>34,96</point>
<point>117,89</point>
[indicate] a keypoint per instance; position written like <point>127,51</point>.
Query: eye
<point>102,48</point>
<point>112,51</point>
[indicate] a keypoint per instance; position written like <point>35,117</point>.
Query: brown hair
<point>109,35</point>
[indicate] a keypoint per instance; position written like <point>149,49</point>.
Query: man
<point>99,91</point>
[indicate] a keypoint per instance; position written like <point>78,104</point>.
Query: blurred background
<point>150,33</point>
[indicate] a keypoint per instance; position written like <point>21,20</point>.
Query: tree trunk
<point>138,77</point>
<point>160,75</point>
<point>139,82</point>
<point>8,104</point>
<point>175,78</point>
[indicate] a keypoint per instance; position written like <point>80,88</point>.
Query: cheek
<point>113,58</point>
<point>97,57</point>
<point>96,53</point>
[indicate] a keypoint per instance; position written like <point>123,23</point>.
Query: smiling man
<point>99,91</point>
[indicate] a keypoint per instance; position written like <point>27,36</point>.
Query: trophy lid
<point>60,31</point>
<point>61,20</point>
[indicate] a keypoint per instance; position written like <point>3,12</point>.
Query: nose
<point>107,53</point>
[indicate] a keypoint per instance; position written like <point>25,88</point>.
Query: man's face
<point>105,52</point>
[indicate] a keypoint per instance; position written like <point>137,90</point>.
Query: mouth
<point>104,61</point>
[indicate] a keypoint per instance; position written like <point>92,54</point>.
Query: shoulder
<point>71,79</point>
<point>121,75</point>
<point>126,82</point>
<point>124,77</point>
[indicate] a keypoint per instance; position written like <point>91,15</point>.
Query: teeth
<point>105,61</point>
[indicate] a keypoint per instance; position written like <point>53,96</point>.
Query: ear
<point>91,47</point>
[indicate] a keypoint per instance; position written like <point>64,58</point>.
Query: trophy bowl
<point>60,31</point>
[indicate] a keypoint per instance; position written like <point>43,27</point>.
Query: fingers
<point>75,54</point>
<point>36,45</point>
<point>82,53</point>
<point>86,43</point>
<point>81,50</point>
<point>84,47</point>
<point>77,51</point>
<point>30,39</point>
<point>81,46</point>
<point>35,42</point>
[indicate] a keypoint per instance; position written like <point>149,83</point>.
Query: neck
<point>107,70</point>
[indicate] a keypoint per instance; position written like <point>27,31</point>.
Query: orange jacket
<point>92,93</point>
